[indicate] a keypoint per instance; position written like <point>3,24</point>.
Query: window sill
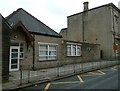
<point>74,56</point>
<point>47,60</point>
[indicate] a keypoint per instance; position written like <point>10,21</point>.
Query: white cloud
<point>51,12</point>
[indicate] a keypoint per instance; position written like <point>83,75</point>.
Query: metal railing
<point>29,76</point>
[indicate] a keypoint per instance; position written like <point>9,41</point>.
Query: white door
<point>14,58</point>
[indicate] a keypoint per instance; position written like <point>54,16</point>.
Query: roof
<point>110,4</point>
<point>32,24</point>
<point>2,19</point>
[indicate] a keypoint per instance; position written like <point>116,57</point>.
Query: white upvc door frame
<point>14,47</point>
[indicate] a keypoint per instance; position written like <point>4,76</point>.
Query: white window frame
<point>48,51</point>
<point>19,43</point>
<point>71,45</point>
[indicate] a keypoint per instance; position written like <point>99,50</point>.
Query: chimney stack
<point>86,6</point>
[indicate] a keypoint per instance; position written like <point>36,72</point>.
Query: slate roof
<point>3,20</point>
<point>32,24</point>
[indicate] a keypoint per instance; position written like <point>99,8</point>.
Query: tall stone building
<point>99,25</point>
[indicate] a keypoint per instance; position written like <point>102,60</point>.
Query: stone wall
<point>96,26</point>
<point>47,63</point>
<point>86,55</point>
<point>5,50</point>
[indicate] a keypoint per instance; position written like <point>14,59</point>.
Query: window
<point>47,51</point>
<point>21,51</point>
<point>21,46</point>
<point>73,49</point>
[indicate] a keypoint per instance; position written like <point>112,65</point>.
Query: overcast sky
<point>51,12</point>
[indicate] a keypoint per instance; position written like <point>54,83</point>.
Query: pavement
<point>20,79</point>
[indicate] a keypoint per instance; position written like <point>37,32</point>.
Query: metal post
<point>79,67</point>
<point>74,67</point>
<point>58,71</point>
<point>28,73</point>
<point>92,65</point>
<point>20,75</point>
<point>100,64</point>
<point>107,63</point>
<point>82,67</point>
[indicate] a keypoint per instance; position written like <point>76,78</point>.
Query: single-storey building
<point>33,43</point>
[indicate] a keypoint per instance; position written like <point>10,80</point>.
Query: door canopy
<point>20,27</point>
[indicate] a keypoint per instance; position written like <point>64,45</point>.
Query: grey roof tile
<point>31,23</point>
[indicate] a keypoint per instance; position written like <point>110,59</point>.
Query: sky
<point>51,12</point>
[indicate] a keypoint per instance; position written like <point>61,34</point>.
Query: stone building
<point>33,44</point>
<point>4,50</point>
<point>78,52</point>
<point>99,25</point>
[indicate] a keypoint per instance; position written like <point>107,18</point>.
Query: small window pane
<point>21,49</point>
<point>14,66</point>
<point>43,47</point>
<point>43,53</point>
<point>68,51</point>
<point>74,50</point>
<point>21,55</point>
<point>52,47</point>
<point>78,50</point>
<point>14,61</point>
<point>52,53</point>
<point>14,50</point>
<point>52,57</point>
<point>14,55</point>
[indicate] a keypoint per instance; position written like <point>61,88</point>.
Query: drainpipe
<point>33,68</point>
<point>83,27</point>
<point>114,33</point>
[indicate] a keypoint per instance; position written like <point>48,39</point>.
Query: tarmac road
<point>101,79</point>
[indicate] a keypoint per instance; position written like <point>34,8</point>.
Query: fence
<point>28,76</point>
